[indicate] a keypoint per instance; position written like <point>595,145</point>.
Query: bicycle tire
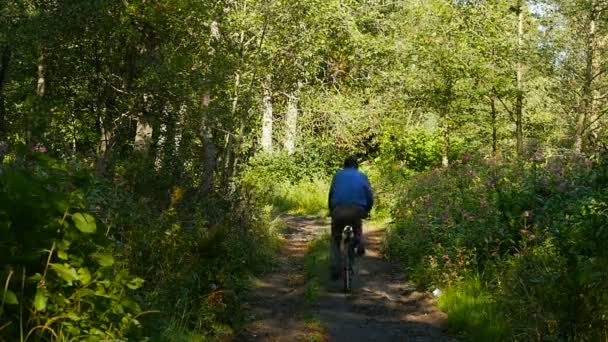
<point>347,272</point>
<point>346,276</point>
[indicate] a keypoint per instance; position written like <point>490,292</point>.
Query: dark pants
<point>343,216</point>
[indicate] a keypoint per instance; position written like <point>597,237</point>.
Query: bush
<point>61,279</point>
<point>533,232</point>
<point>196,251</point>
<point>289,186</point>
<point>74,243</point>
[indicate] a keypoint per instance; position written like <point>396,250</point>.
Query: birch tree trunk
<point>445,161</point>
<point>4,60</point>
<point>209,148</point>
<point>161,147</point>
<point>493,114</point>
<point>267,116</point>
<point>291,119</point>
<point>519,101</point>
<point>41,83</point>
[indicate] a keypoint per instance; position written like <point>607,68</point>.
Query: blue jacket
<point>350,187</point>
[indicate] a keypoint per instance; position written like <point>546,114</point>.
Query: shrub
<point>196,251</point>
<point>61,279</point>
<point>533,233</point>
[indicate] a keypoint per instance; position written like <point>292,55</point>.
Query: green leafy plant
<point>61,278</point>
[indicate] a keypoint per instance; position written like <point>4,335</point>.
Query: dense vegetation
<point>145,147</point>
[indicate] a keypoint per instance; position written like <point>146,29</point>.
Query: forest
<point>150,150</point>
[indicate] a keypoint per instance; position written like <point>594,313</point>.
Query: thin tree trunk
<point>445,161</point>
<point>209,148</point>
<point>292,120</point>
<point>103,146</point>
<point>268,116</point>
<point>587,111</point>
<point>41,84</point>
<point>519,101</point>
<point>494,129</point>
<point>4,61</point>
<point>228,140</point>
<point>161,144</point>
<point>447,101</point>
<point>35,123</point>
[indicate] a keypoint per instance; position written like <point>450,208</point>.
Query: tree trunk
<point>4,61</point>
<point>144,130</point>
<point>143,135</point>
<point>519,101</point>
<point>494,129</point>
<point>445,161</point>
<point>229,153</point>
<point>585,113</point>
<point>103,146</point>
<point>41,84</point>
<point>209,148</point>
<point>292,120</point>
<point>36,124</point>
<point>267,118</point>
<point>161,147</point>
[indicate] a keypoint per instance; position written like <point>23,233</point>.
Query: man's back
<point>350,187</point>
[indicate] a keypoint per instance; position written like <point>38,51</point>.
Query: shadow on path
<point>382,307</point>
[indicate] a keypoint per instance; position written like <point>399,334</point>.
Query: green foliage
<point>288,183</point>
<point>60,276</point>
<point>473,310</point>
<point>417,150</point>
<point>302,198</point>
<point>316,266</point>
<point>533,232</point>
<point>197,252</point>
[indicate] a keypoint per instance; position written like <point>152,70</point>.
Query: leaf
<point>10,298</point>
<point>40,300</point>
<point>34,278</point>
<point>62,254</point>
<point>84,222</point>
<point>84,275</point>
<point>103,259</point>
<point>135,283</point>
<point>65,272</point>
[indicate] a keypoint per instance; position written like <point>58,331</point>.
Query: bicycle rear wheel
<point>348,254</point>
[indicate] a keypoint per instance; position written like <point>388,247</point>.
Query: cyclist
<point>350,201</point>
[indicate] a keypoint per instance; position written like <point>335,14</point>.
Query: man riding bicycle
<point>350,201</point>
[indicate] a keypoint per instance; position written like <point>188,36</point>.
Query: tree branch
<point>597,118</point>
<point>506,107</point>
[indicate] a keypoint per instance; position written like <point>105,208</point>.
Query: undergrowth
<point>141,256</point>
<point>472,308</point>
<point>316,268</point>
<point>518,248</point>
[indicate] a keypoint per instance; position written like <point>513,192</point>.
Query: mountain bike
<point>348,257</point>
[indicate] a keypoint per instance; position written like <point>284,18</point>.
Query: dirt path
<point>382,307</point>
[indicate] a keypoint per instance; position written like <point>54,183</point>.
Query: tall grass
<point>305,197</point>
<point>316,267</point>
<point>473,311</point>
